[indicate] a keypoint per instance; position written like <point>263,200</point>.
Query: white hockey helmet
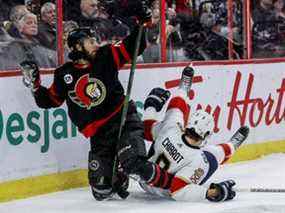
<point>200,125</point>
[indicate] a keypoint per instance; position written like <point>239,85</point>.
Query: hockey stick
<point>268,190</point>
<point>126,105</point>
<point>130,82</point>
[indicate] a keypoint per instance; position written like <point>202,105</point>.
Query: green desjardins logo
<point>39,127</point>
<point>35,127</point>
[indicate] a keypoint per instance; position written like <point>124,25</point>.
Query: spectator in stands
<point>89,8</point>
<point>89,11</point>
<point>91,16</point>
<point>263,12</point>
<point>4,37</point>
<point>5,40</point>
<point>200,42</point>
<point>152,52</point>
<point>174,45</point>
<point>174,38</point>
<point>16,14</point>
<point>119,32</point>
<point>27,46</point>
<point>19,50</point>
<point>34,6</point>
<point>181,6</point>
<point>265,33</point>
<point>71,10</point>
<point>216,19</point>
<point>104,29</point>
<point>68,26</point>
<point>27,26</point>
<point>6,6</point>
<point>279,9</point>
<point>47,26</point>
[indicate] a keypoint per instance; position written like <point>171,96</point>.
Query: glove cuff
<point>36,86</point>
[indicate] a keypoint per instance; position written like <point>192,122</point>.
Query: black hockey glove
<point>31,74</point>
<point>224,189</point>
<point>144,14</point>
<point>157,98</point>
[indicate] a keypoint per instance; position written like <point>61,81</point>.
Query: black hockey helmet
<point>77,36</point>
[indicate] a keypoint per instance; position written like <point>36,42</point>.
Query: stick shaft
<point>130,82</point>
<point>127,98</point>
<point>267,190</point>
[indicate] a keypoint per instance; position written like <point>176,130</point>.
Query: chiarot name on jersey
<point>172,151</point>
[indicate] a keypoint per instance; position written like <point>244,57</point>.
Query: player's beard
<point>91,56</point>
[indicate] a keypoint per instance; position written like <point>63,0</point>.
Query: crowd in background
<point>269,28</point>
<point>196,29</point>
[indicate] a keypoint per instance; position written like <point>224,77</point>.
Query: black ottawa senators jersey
<point>93,94</point>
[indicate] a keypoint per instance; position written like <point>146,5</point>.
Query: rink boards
<point>44,145</point>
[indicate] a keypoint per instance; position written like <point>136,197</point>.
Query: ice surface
<point>267,172</point>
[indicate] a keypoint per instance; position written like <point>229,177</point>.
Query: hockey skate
<point>239,137</point>
<point>122,185</point>
<point>186,79</point>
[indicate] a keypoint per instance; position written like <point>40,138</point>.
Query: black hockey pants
<point>105,146</point>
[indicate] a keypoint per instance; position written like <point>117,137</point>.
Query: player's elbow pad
<point>190,193</point>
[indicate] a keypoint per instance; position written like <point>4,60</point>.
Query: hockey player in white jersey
<point>179,146</point>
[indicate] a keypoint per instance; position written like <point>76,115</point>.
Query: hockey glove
<point>157,98</point>
<point>144,13</point>
<point>31,74</point>
<point>224,191</point>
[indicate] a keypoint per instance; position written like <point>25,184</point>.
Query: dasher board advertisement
<point>37,142</point>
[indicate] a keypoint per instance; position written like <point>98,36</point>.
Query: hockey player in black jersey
<point>94,96</point>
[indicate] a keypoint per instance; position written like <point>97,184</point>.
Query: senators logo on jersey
<point>88,92</point>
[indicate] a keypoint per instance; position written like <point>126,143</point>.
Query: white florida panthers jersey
<point>191,166</point>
